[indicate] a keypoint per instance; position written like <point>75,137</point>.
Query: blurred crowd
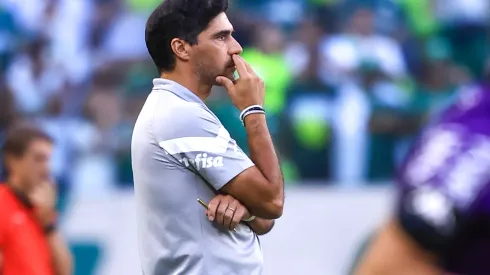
<point>349,83</point>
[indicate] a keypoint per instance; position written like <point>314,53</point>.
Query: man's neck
<point>189,81</point>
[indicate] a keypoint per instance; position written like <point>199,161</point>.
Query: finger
<point>237,218</point>
<point>228,218</point>
<point>47,190</point>
<point>220,214</point>
<point>230,212</point>
<point>212,208</point>
<point>225,82</point>
<point>249,68</point>
<point>240,65</point>
<point>35,191</point>
<point>261,83</point>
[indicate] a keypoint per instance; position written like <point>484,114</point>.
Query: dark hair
<point>19,138</point>
<point>184,19</point>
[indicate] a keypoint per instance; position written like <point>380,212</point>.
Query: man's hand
<point>248,90</point>
<point>226,211</point>
<point>43,198</point>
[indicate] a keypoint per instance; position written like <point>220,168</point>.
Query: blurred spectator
<point>305,137</point>
<point>110,31</point>
<point>343,53</point>
<point>433,86</point>
<point>465,24</point>
<point>268,60</point>
<point>34,15</point>
<point>33,77</point>
<point>388,123</point>
<point>96,169</point>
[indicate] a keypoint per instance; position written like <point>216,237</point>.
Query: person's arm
<point>43,197</point>
<point>259,188</point>
<point>61,255</point>
<point>261,226</point>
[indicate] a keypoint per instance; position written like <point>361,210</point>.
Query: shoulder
<point>186,120</point>
<point>173,110</point>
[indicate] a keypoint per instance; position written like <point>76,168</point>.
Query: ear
<point>180,48</point>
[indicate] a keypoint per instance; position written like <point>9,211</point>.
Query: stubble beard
<point>208,74</point>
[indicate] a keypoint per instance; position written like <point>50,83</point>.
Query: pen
<point>202,203</point>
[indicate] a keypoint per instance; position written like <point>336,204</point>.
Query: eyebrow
<point>223,33</point>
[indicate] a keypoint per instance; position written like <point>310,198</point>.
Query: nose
<point>235,47</point>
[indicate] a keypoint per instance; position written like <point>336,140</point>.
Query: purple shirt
<point>445,186</point>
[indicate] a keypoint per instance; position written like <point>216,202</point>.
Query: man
<point>442,223</point>
<point>181,152</point>
<point>29,240</point>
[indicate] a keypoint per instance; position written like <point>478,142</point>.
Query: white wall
<point>319,232</point>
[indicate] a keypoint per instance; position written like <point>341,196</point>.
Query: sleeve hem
<point>231,176</point>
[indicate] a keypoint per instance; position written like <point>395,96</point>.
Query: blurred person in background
<point>306,121</point>
<point>181,152</point>
<point>33,76</point>
<point>343,52</point>
<point>442,220</point>
<point>465,26</point>
<point>364,66</point>
<point>30,242</point>
<point>388,122</point>
<point>267,58</point>
<point>435,86</point>
<point>95,172</point>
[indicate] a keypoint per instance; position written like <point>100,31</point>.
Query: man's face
<point>212,56</point>
<point>33,167</point>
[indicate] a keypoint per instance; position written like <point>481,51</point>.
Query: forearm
<point>263,153</point>
<point>61,255</point>
<point>261,226</point>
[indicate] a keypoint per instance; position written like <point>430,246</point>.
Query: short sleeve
<point>441,185</point>
<point>200,143</point>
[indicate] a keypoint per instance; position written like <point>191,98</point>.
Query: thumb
<point>225,82</point>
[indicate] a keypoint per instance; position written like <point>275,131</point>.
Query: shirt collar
<point>160,84</point>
